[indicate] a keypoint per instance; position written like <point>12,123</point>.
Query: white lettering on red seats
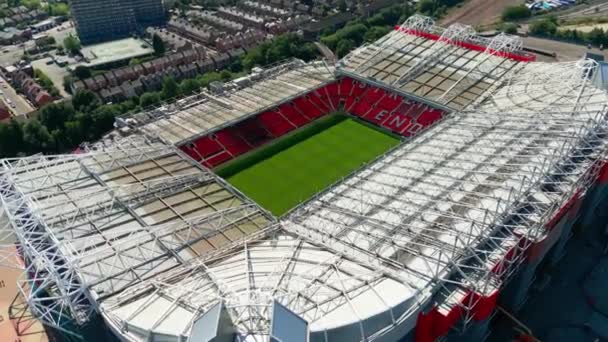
<point>415,128</point>
<point>398,121</point>
<point>380,115</point>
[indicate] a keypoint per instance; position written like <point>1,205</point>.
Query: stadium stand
<point>380,107</point>
<point>419,245</point>
<point>275,123</point>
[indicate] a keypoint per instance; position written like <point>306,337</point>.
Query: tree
<point>82,72</point>
<point>149,99</point>
<point>255,56</point>
<point>103,120</point>
<point>344,47</point>
<point>54,115</point>
<point>226,75</point>
<point>11,139</point>
<point>389,16</point>
<point>158,45</point>
<point>31,4</point>
<point>67,83</point>
<point>355,32</point>
<point>46,82</point>
<point>85,100</point>
<point>207,78</point>
<point>516,12</point>
<point>544,27</point>
<point>427,7</point>
<point>509,28</point>
<point>72,44</point>
<point>170,88</point>
<point>59,9</point>
<point>282,47</point>
<point>189,86</point>
<point>596,36</point>
<point>60,140</point>
<point>37,137</point>
<point>375,33</point>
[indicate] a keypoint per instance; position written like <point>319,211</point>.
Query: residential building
<point>5,113</point>
<point>98,21</point>
<point>31,89</point>
<point>148,12</point>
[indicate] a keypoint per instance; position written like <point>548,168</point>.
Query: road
<point>22,107</point>
<point>565,51</point>
<point>478,13</point>
<point>597,8</point>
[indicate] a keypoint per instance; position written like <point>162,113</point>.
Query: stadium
<point>399,195</point>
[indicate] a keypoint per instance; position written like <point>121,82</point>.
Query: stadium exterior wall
<point>584,211</point>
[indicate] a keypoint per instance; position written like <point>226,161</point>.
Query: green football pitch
<point>292,171</point>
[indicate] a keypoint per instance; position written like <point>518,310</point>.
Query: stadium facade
<point>501,157</point>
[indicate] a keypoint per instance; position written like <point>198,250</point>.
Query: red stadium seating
<point>377,115</point>
<point>308,108</point>
<point>207,146</point>
<point>378,106</point>
<point>191,151</point>
<point>346,86</point>
<point>332,91</point>
<point>293,115</point>
<point>320,101</point>
<point>350,103</point>
<point>397,122</point>
<point>252,132</point>
<point>218,159</point>
<point>374,95</point>
<point>275,123</point>
<point>361,108</point>
<point>358,89</point>
<point>430,116</point>
<point>391,102</point>
<point>232,142</point>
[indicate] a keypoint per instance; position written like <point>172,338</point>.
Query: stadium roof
<point>440,210</point>
<point>452,67</point>
<point>203,113</point>
<point>119,215</point>
<point>135,230</point>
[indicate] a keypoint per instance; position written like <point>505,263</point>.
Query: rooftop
<point>115,51</point>
<point>206,112</point>
<point>451,67</point>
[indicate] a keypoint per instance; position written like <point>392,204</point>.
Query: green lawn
<point>291,174</point>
